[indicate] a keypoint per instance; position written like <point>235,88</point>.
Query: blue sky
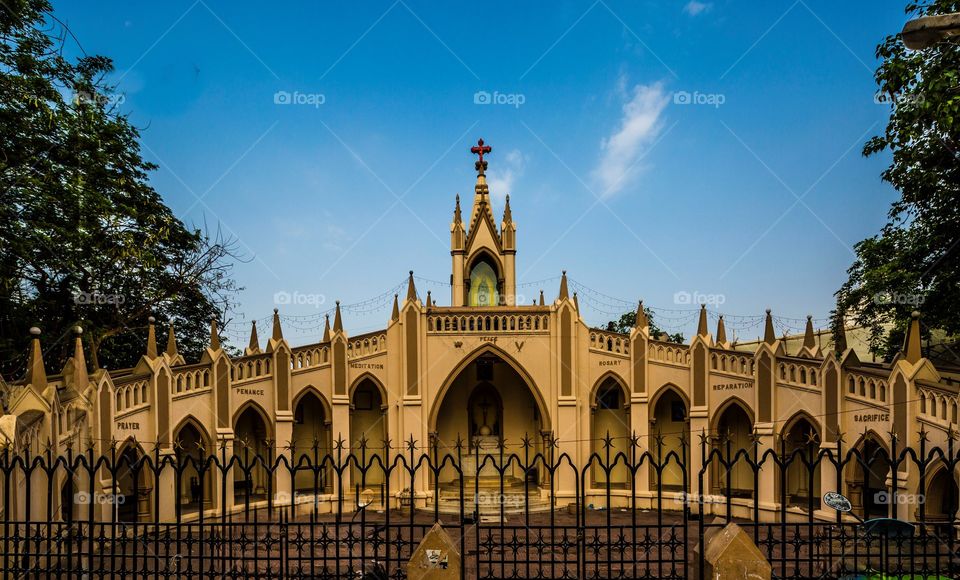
<point>650,148</point>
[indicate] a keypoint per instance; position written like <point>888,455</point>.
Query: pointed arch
<point>800,485</point>
<point>135,485</point>
<point>872,434</point>
<point>472,356</point>
<point>258,409</point>
<point>796,417</point>
<point>373,379</point>
<point>663,390</point>
<point>191,420</point>
<point>610,375</point>
<point>941,493</point>
<point>731,401</point>
<point>479,254</point>
<point>310,389</point>
<point>132,443</point>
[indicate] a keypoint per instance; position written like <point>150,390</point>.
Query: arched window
<point>483,285</point>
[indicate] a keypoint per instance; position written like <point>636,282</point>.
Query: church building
<point>480,378</point>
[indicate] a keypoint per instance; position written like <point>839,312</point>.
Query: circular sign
<point>837,501</point>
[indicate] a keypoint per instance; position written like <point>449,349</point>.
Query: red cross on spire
<point>480,149</point>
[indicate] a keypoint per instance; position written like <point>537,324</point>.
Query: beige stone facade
<point>487,372</point>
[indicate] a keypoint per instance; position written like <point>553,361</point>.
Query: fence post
<point>830,474</point>
<point>700,427</point>
<point>283,462</point>
<point>766,494</point>
<point>223,478</point>
<point>167,485</point>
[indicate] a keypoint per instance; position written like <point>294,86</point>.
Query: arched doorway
<point>250,475</point>
<point>940,500</point>
<point>311,443</point>
<point>867,478</point>
<point>732,434</point>
<point>368,422</point>
<point>800,443</point>
<point>134,485</point>
<point>670,422</point>
<point>487,401</point>
<point>192,448</point>
<point>610,417</point>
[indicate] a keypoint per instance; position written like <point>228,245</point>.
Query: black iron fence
<point>513,514</point>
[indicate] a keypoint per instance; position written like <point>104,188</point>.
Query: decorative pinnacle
<point>480,149</point>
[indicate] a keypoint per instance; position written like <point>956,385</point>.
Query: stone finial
<point>721,331</point>
<point>337,319</point>
<point>151,339</point>
<point>326,328</point>
<point>702,324</point>
<point>576,302</point>
<point>36,373</point>
<point>171,341</point>
<point>411,288</point>
<point>541,298</point>
<point>395,315</point>
<point>641,318</point>
<point>277,330</point>
<point>214,335</point>
<point>253,347</point>
<point>769,336</point>
<point>77,363</point>
<point>507,214</point>
<point>809,339</point>
<point>564,294</point>
<point>457,216</point>
<point>429,300</point>
<point>911,342</point>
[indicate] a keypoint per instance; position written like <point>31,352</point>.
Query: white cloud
<point>639,127</point>
<point>694,8</point>
<point>503,173</point>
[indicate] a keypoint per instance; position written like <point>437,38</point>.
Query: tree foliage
<point>912,264</point>
<point>85,239</point>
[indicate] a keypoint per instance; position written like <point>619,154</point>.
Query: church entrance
<point>491,410</point>
<point>250,472</point>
